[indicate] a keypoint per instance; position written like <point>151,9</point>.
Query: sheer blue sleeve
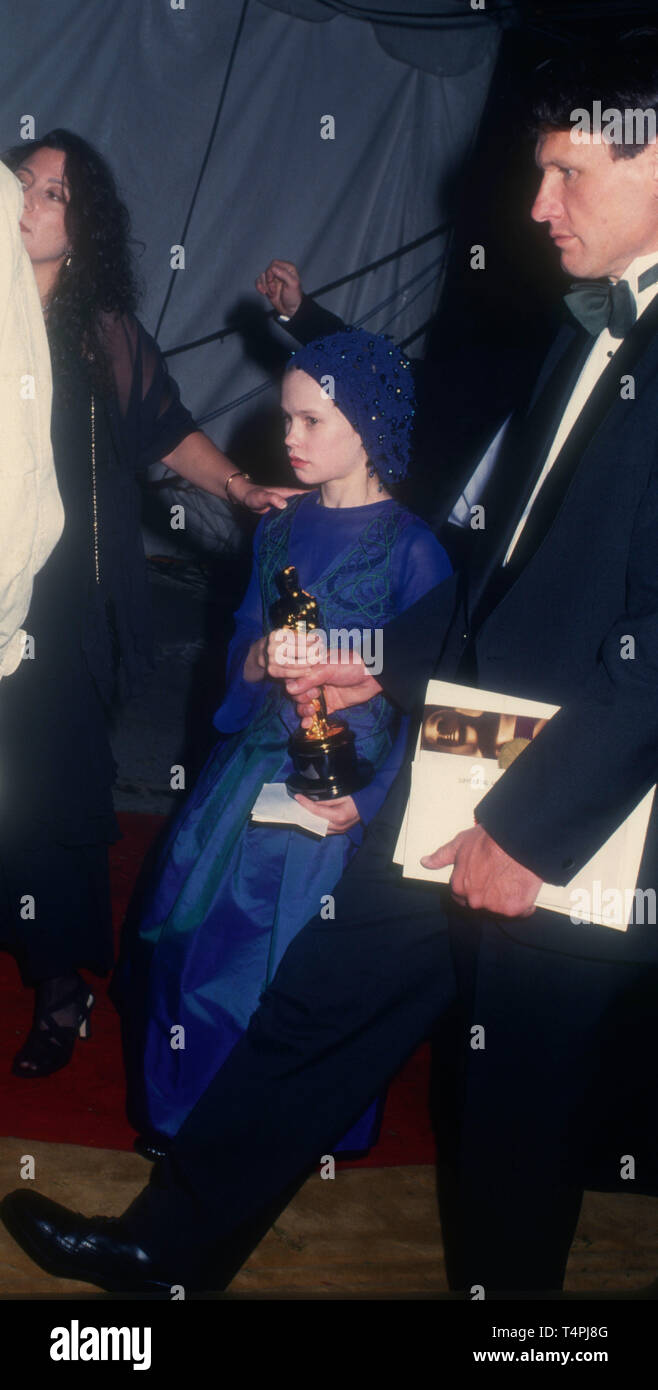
<point>420,564</point>
<point>243,698</point>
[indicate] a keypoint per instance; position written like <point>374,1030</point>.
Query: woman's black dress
<point>88,627</point>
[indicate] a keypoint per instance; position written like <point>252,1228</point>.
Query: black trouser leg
<point>56,909</point>
<point>350,1001</point>
<point>527,1110</point>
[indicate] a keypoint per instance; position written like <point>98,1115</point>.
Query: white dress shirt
<point>31,512</point>
<point>603,348</point>
<point>462,513</point>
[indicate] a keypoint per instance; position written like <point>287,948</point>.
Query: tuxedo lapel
<point>496,582</point>
<point>521,458</point>
<point>601,400</point>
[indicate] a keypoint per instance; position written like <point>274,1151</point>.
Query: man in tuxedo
<point>564,575</point>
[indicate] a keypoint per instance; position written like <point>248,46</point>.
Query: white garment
<point>462,512</point>
<point>31,512</point>
<point>604,347</point>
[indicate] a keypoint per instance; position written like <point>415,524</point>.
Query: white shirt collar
<point>632,274</point>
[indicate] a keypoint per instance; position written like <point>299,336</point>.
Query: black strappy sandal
<point>49,1044</point>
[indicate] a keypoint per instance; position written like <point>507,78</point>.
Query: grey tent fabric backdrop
<point>142,81</point>
<point>467,30</point>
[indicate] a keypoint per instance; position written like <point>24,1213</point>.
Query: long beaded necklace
<point>94,493</point>
<point>94,499</point>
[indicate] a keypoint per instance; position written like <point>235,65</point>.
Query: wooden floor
<point>368,1232</point>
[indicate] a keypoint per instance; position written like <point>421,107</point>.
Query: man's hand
<point>344,683</point>
<point>281,284</point>
<point>485,877</point>
<point>341,812</point>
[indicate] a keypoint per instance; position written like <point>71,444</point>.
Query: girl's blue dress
<point>229,894</point>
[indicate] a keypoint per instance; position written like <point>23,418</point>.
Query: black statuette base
<point>327,767</point>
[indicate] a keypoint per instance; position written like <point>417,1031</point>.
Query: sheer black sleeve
<point>151,417</point>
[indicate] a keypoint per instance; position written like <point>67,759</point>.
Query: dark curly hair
<point>100,278</point>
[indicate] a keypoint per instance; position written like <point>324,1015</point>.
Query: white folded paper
<point>275,806</point>
<point>479,727</point>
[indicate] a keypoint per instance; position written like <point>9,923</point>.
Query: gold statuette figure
<point>324,755</point>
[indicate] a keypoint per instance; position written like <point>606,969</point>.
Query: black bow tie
<point>597,304</point>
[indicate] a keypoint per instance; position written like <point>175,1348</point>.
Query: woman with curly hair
<point>115,410</point>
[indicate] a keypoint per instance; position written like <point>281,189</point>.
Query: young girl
<point>231,894</point>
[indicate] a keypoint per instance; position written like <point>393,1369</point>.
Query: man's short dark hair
<point>622,76</point>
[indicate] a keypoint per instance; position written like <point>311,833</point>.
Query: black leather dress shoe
<point>95,1249</point>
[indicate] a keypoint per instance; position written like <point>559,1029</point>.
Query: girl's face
<point>321,443</point>
<point>45,198</point>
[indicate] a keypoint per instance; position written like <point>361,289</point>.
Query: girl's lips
<point>298,463</point>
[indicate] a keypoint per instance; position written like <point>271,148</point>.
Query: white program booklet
<point>275,806</point>
<point>466,740</point>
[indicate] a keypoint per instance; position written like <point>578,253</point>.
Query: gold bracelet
<point>238,474</point>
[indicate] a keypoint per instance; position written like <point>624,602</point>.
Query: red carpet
<point>84,1103</point>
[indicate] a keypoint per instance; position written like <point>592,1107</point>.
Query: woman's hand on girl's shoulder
<point>341,812</point>
<point>260,499</point>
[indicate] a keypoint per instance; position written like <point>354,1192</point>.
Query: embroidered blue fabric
<point>230,895</point>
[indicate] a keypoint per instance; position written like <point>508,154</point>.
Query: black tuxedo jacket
<point>583,581</point>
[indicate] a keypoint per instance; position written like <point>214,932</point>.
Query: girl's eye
<point>311,420</point>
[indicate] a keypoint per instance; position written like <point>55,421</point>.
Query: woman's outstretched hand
<point>260,499</point>
<point>203,464</point>
<point>341,812</point>
<point>281,284</point>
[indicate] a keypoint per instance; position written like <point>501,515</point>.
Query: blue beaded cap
<point>373,389</point>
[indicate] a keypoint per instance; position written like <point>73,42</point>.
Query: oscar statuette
<point>324,756</point>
